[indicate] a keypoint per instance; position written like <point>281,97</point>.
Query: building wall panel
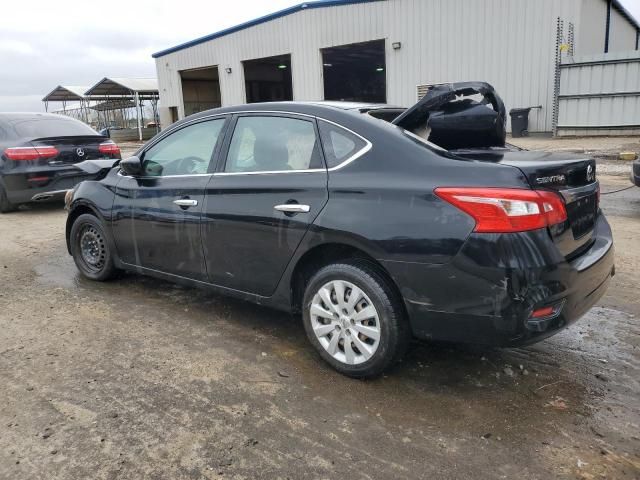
<point>593,20</point>
<point>623,34</point>
<point>600,93</point>
<point>442,41</point>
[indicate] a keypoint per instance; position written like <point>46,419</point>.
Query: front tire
<point>354,319</point>
<point>90,249</point>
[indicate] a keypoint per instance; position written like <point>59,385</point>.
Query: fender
<point>97,196</point>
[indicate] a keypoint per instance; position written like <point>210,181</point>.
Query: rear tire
<point>90,249</point>
<point>5,205</point>
<point>360,336</point>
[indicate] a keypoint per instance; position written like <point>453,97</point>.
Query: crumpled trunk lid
<point>458,115</point>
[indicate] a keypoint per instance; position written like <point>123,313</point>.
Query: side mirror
<point>131,166</point>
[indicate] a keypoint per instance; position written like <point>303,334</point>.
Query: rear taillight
<point>504,210</point>
<point>542,312</point>
<point>30,153</point>
<point>109,148</point>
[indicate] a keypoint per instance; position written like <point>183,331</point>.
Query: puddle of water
<point>60,272</point>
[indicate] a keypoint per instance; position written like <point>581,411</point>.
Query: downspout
<point>607,27</point>
<point>637,37</point>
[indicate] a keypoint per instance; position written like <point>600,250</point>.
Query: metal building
<point>385,50</point>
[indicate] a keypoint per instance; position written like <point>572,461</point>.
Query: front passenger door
<point>157,214</point>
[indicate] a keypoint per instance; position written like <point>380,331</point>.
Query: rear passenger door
<point>270,185</point>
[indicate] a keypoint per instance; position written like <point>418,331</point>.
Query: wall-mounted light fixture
<point>328,65</point>
<point>282,66</point>
<point>228,70</point>
<point>380,69</point>
<point>396,45</point>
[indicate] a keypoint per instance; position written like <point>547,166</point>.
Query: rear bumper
<point>635,173</point>
<point>487,293</point>
<point>20,190</point>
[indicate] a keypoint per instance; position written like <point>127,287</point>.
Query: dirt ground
<point>601,147</point>
<point>139,378</point>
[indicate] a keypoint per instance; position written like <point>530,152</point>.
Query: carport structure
<point>65,95</point>
<point>122,91</point>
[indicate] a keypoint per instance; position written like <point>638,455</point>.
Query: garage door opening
<point>200,89</point>
<point>268,79</point>
<point>355,72</point>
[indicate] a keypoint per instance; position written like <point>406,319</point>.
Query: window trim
<point>368,146</point>
<point>229,117</point>
<point>291,115</point>
<point>213,161</point>
<point>364,150</point>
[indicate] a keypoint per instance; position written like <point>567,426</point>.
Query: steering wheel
<point>191,165</point>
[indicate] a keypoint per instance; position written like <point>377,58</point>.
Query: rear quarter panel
<point>383,204</point>
<point>386,199</point>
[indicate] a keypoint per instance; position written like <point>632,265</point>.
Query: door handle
<point>185,202</point>
<point>292,208</point>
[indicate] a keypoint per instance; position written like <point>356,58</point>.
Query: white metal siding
<point>622,37</point>
<point>599,94</point>
<point>592,28</point>
<point>509,43</point>
<point>593,24</point>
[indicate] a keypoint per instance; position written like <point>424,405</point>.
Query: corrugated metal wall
<point>509,43</point>
<point>600,95</point>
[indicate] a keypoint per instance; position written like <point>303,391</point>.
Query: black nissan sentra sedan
<point>38,153</point>
<point>378,224</point>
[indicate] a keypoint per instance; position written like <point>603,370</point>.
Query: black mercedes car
<point>38,152</point>
<point>378,224</point>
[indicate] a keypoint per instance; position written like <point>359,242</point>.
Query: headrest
<point>270,154</point>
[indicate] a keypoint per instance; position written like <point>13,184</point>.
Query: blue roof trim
<point>258,21</point>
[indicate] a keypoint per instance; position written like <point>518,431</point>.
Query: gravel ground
<point>138,378</point>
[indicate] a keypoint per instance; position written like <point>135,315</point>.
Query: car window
<point>273,144</point>
<point>339,144</point>
<point>185,152</point>
<point>49,126</point>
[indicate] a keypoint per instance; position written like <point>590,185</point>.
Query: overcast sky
<point>45,43</point>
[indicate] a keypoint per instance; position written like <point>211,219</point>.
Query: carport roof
<point>272,16</point>
<point>64,93</point>
<point>145,87</point>
<point>116,104</point>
